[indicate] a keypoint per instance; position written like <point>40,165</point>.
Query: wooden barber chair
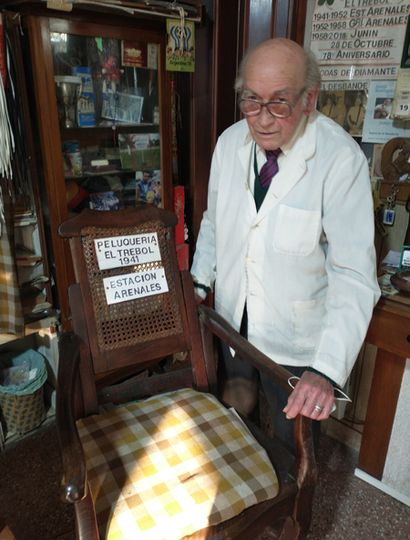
<point>148,451</point>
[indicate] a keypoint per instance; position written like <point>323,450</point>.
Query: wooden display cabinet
<point>22,209</point>
<point>103,109</point>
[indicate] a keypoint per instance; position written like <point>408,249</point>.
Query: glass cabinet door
<point>107,92</point>
<point>103,109</point>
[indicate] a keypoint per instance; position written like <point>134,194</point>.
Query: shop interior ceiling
<point>189,9</point>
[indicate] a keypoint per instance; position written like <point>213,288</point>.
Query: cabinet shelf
<point>87,174</point>
<point>86,134</point>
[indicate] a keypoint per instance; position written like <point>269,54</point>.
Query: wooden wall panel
<point>260,21</point>
<point>201,118</point>
<point>226,59</point>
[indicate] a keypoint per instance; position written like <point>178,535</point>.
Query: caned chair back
<point>129,303</point>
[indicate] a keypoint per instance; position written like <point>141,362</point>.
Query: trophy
<point>68,90</point>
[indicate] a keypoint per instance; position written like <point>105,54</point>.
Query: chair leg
<point>290,530</point>
<point>86,523</point>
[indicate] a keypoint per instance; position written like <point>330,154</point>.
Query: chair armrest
<point>211,320</point>
<point>74,470</point>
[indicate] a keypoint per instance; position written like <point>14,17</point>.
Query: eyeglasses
<point>276,108</point>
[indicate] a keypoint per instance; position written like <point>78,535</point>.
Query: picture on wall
<point>346,107</point>
<point>356,108</point>
<point>332,104</point>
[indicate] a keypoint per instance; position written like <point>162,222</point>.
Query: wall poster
<point>357,40</point>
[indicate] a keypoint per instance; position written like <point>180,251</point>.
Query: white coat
<point>305,263</point>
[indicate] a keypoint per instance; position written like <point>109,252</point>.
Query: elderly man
<point>287,240</point>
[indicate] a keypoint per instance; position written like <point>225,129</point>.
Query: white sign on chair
<point>135,285</point>
<point>121,251</point>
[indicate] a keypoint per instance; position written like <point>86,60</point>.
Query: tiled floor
<point>345,507</point>
<point>30,470</point>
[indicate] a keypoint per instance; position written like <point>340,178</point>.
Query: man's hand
<point>313,397</point>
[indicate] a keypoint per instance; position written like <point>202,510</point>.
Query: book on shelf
<point>86,98</point>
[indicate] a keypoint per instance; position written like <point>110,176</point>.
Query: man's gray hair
<point>312,74</point>
<point>313,77</point>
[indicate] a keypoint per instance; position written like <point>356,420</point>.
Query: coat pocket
<point>297,231</point>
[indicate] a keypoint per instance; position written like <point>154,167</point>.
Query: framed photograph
<point>134,53</point>
<point>148,187</point>
<point>121,107</point>
<point>140,151</point>
<point>379,127</point>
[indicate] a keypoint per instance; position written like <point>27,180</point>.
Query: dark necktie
<point>269,168</point>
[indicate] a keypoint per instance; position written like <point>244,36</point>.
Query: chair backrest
<point>130,304</point>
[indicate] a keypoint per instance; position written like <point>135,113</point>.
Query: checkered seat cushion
<point>171,465</point>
